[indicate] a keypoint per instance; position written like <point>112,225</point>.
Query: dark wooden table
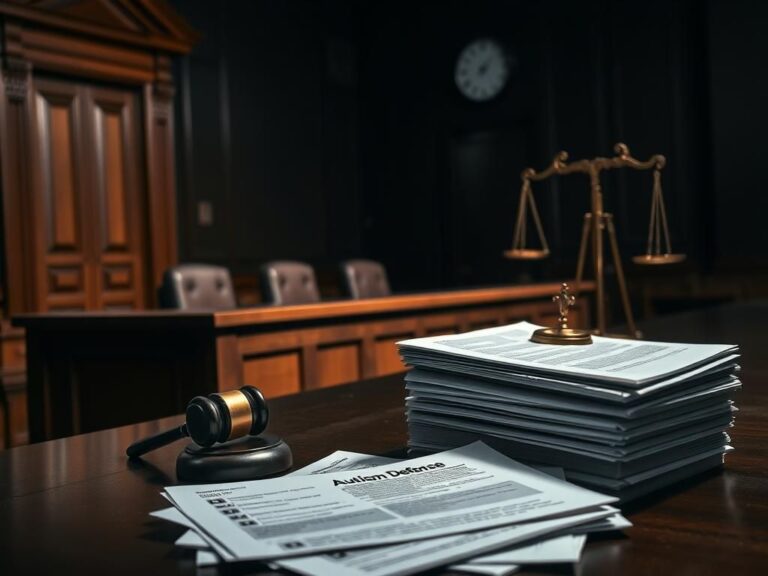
<point>77,506</point>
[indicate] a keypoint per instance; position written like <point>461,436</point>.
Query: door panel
<point>88,183</point>
<point>118,224</point>
<point>61,178</point>
<point>59,197</point>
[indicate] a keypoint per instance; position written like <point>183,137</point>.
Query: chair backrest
<point>364,279</point>
<point>286,282</point>
<point>197,287</point>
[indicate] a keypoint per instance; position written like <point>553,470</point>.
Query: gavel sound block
<point>228,444</point>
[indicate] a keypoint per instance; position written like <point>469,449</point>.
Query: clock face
<point>481,70</point>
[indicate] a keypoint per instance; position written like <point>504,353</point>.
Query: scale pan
<point>656,259</point>
<point>526,254</point>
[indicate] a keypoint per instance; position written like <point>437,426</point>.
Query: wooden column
<point>159,144</point>
<point>15,102</point>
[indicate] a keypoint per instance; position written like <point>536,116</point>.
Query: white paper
<point>565,549</point>
<point>571,411</point>
<point>610,524</point>
<point>631,363</point>
<point>204,558</point>
<point>191,539</point>
<point>469,488</point>
<point>172,515</point>
<point>486,569</point>
<point>408,558</point>
<point>463,383</point>
<point>423,554</point>
<point>584,428</point>
<point>431,433</point>
<point>357,563</point>
<point>340,461</point>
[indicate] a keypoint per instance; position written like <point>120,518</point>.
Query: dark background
<point>324,130</point>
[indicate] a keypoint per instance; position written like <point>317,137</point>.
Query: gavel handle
<point>143,446</point>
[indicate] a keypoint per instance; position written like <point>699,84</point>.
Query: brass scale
<point>596,223</point>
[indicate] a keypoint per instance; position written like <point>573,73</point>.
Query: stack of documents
<point>621,416</point>
<point>349,514</point>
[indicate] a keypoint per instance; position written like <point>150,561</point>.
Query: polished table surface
<point>76,505</point>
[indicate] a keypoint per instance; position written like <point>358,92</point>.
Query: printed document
<point>469,488</point>
<point>629,363</point>
<point>400,557</point>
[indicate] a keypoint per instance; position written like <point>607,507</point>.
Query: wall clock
<point>482,70</point>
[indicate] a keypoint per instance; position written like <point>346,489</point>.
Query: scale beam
<point>597,222</point>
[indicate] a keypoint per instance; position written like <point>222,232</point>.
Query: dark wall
<point>267,114</point>
<point>739,116</point>
<point>325,130</point>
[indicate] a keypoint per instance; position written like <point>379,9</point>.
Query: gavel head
<point>226,416</point>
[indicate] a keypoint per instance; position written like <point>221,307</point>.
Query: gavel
<point>218,417</point>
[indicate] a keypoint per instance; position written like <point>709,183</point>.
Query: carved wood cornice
<point>147,24</point>
<point>61,53</point>
<point>163,89</point>
<point>16,75</point>
<point>15,69</point>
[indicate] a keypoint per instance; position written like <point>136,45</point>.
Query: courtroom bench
<point>94,370</point>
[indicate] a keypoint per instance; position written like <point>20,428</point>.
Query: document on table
<point>412,557</point>
<point>563,550</point>
<point>629,363</point>
<point>416,556</point>
<point>463,389</point>
<point>341,461</point>
<point>400,557</point>
<point>469,488</point>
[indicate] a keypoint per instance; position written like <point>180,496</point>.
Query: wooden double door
<point>87,207</point>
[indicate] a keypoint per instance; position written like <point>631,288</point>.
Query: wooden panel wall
<point>89,251</point>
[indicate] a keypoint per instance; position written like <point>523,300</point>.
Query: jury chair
<point>364,279</point>
<point>285,282</point>
<point>197,287</point>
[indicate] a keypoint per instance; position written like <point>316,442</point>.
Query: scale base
<point>561,336</point>
<point>248,458</point>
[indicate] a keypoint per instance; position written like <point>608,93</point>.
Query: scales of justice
<point>597,223</point>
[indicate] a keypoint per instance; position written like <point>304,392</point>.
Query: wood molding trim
<point>388,305</point>
<point>160,28</point>
<point>15,155</point>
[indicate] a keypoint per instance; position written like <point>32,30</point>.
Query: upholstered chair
<point>286,282</point>
<point>197,287</point>
<point>364,279</point>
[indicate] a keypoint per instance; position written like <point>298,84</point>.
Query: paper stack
<point>621,416</point>
<point>470,509</point>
